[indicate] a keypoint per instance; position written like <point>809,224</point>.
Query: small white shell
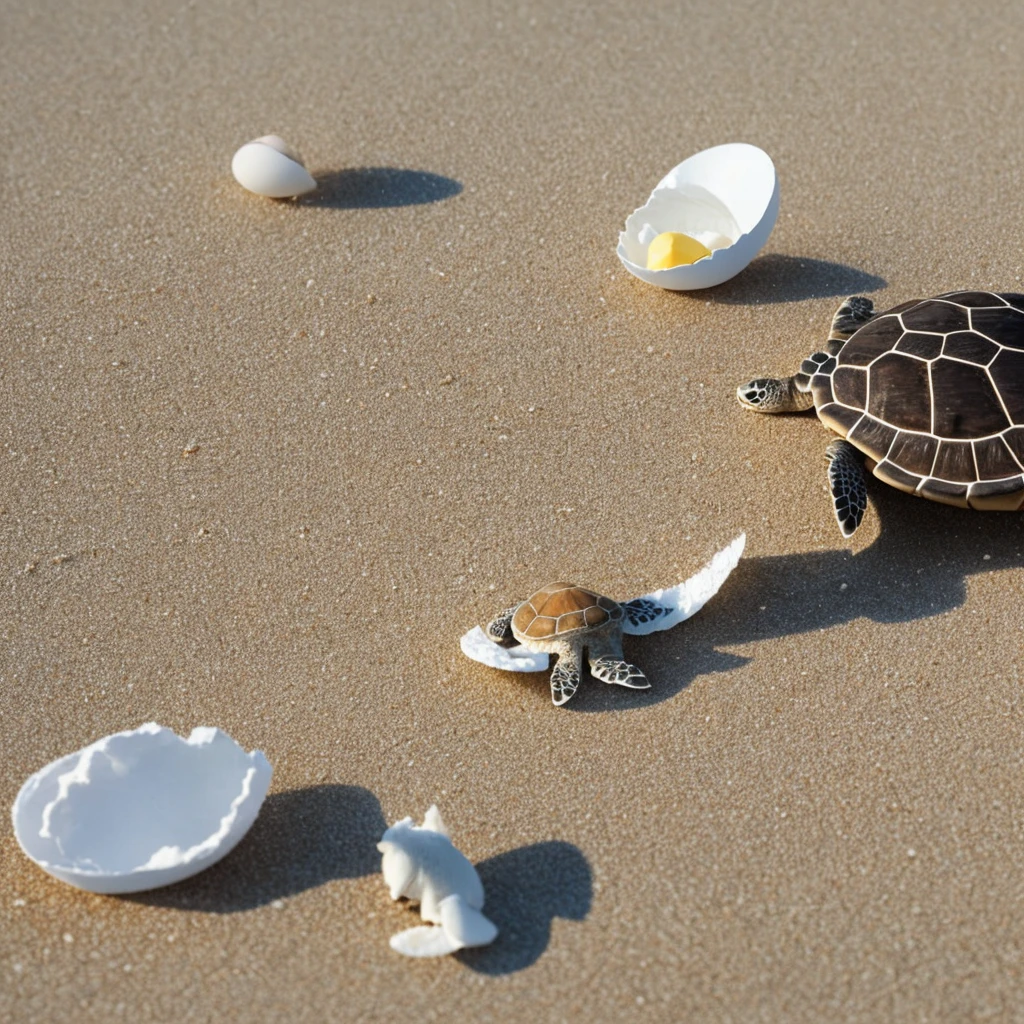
<point>421,864</point>
<point>476,644</point>
<point>140,809</point>
<point>269,167</point>
<point>726,197</point>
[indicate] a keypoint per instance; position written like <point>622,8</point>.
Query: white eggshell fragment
<point>421,864</point>
<point>140,809</point>
<point>726,197</point>
<point>269,167</point>
<point>686,599</point>
<point>476,644</point>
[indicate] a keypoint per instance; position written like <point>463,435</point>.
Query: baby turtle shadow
<point>526,889</point>
<point>775,277</point>
<point>301,839</point>
<point>362,188</point>
<point>917,567</point>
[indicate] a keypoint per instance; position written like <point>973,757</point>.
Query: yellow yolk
<point>672,249</point>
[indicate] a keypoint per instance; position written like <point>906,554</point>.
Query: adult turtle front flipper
<point>931,391</point>
<point>846,482</point>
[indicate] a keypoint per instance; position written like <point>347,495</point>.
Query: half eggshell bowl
<point>140,809</point>
<point>726,197</point>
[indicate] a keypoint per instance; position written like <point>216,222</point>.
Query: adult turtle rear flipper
<point>853,314</point>
<point>847,483</point>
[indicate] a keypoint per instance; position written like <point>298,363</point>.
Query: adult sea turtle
<point>929,393</point>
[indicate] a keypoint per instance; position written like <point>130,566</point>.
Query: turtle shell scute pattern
<point>933,392</point>
<point>561,608</point>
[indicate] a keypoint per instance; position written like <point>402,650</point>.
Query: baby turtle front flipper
<point>847,484</point>
<point>641,612</point>
<point>565,676</point>
<point>500,629</point>
<point>853,314</point>
<point>622,673</point>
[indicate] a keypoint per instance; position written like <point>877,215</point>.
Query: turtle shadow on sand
<point>917,567</point>
<point>526,890</point>
<point>775,277</point>
<point>362,188</point>
<point>301,839</point>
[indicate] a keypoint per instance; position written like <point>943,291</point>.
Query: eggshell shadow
<point>526,889</point>
<point>302,839</point>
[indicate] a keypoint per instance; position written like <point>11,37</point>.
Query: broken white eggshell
<point>421,864</point>
<point>140,809</point>
<point>269,167</point>
<point>685,600</point>
<point>476,644</point>
<point>688,598</point>
<point>726,197</point>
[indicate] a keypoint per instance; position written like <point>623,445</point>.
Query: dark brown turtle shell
<point>932,391</point>
<point>561,608</point>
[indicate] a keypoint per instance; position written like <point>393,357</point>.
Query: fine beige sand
<point>264,462</point>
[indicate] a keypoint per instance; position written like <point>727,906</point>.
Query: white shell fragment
<point>269,167</point>
<point>421,864</point>
<point>140,809</point>
<point>686,599</point>
<point>726,197</point>
<point>476,644</point>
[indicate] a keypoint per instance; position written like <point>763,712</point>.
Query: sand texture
<point>264,462</point>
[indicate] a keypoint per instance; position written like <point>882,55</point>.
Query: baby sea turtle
<point>930,391</point>
<point>579,625</point>
<point>564,619</point>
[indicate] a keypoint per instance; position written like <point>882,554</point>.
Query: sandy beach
<point>264,462</point>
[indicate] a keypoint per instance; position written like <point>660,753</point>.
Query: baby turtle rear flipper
<point>565,679</point>
<point>853,314</point>
<point>612,670</point>
<point>847,484</point>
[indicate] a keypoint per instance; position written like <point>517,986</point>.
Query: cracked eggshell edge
<point>743,178</point>
<point>476,644</point>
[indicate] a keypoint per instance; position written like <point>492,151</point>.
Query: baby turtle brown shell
<point>576,625</point>
<point>931,391</point>
<point>561,608</point>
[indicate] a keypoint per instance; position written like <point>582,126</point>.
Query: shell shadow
<point>364,188</point>
<point>776,277</point>
<point>917,567</point>
<point>301,839</point>
<point>526,890</point>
